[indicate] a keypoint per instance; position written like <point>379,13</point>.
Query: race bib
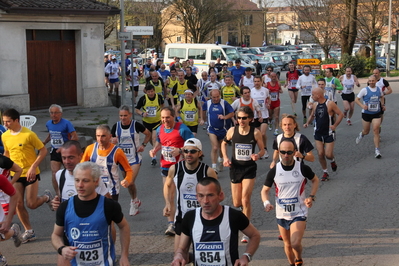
<point>289,206</point>
<point>274,96</point>
<point>104,170</point>
<point>262,104</point>
<point>151,111</point>
<point>307,90</point>
<point>189,116</point>
<point>293,82</point>
<point>190,201</point>
<point>243,152</point>
<point>349,88</point>
<point>167,154</point>
<point>56,140</point>
<point>89,253</point>
<point>210,254</point>
<point>374,104</point>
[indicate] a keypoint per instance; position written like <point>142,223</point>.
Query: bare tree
<point>318,18</point>
<point>149,13</point>
<point>374,20</point>
<point>201,17</point>
<point>349,32</point>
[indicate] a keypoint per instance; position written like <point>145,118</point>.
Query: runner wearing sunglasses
<point>182,180</point>
<point>242,165</point>
<point>289,177</point>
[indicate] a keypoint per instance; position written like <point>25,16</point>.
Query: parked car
<point>383,67</point>
<point>276,59</point>
<point>276,48</point>
<point>276,68</point>
<point>289,58</point>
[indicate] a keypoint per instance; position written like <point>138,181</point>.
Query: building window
<point>282,18</point>
<point>178,39</point>
<point>247,20</point>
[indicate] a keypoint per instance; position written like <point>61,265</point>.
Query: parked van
<point>202,54</point>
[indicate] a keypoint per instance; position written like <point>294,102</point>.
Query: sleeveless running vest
<point>169,142</point>
<point>348,84</point>
<point>91,235</point>
<point>372,100</point>
<point>186,183</point>
<point>153,110</point>
<point>290,192</point>
<point>243,147</point>
<point>323,120</point>
<point>109,169</point>
<point>189,112</point>
<point>212,243</point>
<point>129,140</point>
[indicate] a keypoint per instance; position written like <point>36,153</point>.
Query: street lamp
<point>389,36</point>
<point>397,41</point>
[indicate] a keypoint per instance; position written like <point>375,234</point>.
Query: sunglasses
<point>269,70</point>
<point>242,117</point>
<point>190,151</point>
<point>287,152</point>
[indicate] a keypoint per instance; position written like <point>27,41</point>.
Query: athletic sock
<point>213,165</point>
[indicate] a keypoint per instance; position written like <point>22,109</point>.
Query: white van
<point>202,54</point>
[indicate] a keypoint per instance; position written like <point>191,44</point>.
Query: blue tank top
<point>91,235</point>
<point>372,100</point>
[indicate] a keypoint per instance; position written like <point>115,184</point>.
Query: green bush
<point>357,63</point>
<point>370,64</point>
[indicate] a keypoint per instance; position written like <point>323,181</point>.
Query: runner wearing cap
<point>182,179</point>
<point>190,111</point>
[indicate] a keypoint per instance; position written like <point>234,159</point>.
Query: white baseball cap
<point>193,142</point>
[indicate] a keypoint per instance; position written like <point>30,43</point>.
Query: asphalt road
<point>354,220</point>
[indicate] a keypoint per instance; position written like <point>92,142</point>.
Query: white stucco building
<point>52,52</point>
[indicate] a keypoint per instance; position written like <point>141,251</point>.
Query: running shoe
<point>348,122</point>
<point>170,231</point>
<point>28,236</point>
<point>265,156</point>
<point>3,260</point>
<point>359,138</point>
<point>298,262</point>
<point>334,166</point>
<point>205,126</point>
<point>270,126</point>
<point>377,154</point>
<point>325,177</point>
<point>220,167</point>
<point>280,238</point>
<point>304,120</point>
<point>134,207</point>
<point>275,132</point>
<point>154,162</point>
<point>50,198</point>
<point>244,239</point>
<point>17,236</point>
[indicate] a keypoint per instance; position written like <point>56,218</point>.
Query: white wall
<point>91,91</point>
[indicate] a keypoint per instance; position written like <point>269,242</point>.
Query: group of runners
<point>235,111</point>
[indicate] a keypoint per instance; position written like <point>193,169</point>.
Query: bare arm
<point>57,239</point>
<point>275,159</point>
<point>124,234</point>
<point>337,111</point>
<point>266,199</point>
<point>31,174</point>
<point>73,136</point>
<point>313,191</point>
<point>17,172</point>
<point>181,254</point>
<point>6,224</point>
<point>259,141</point>
<point>252,246</point>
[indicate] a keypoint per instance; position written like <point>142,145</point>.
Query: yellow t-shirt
<point>228,92</point>
<point>153,110</point>
<point>22,148</point>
